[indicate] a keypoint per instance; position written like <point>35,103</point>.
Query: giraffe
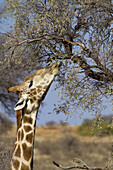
<point>30,93</point>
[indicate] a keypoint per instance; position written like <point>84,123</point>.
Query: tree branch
<point>100,76</point>
<point>50,37</point>
<point>79,165</point>
<point>106,75</point>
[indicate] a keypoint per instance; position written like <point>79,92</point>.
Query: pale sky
<point>50,100</point>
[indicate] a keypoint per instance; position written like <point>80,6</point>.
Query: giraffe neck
<point>23,151</point>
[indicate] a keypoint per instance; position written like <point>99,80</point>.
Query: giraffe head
<point>34,88</point>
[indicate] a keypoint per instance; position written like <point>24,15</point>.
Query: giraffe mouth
<point>60,64</point>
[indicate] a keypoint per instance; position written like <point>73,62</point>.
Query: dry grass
<point>60,144</point>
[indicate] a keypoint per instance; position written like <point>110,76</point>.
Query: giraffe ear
<point>20,104</point>
<point>12,89</point>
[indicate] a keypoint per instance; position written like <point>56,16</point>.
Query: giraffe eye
<point>31,83</point>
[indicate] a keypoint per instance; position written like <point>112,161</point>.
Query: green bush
<point>90,127</point>
<point>85,128</point>
<point>104,128</point>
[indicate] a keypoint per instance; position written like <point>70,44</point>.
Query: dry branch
<point>105,74</point>
<point>79,165</point>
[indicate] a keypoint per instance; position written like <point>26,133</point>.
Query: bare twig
<point>68,167</point>
<point>81,165</point>
<point>79,161</point>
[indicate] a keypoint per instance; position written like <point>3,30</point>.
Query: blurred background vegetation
<point>97,128</point>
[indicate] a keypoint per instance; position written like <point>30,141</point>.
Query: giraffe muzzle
<point>60,64</point>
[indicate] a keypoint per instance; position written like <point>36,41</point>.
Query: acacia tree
<point>6,79</point>
<point>77,32</point>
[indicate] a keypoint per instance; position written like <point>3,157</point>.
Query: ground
<point>61,144</point>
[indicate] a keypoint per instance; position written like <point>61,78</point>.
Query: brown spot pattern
<point>34,98</point>
<point>39,87</point>
<point>29,137</point>
<point>19,135</point>
<point>27,119</point>
<point>33,90</point>
<point>18,151</point>
<point>22,135</point>
<point>18,116</point>
<point>45,87</point>
<point>34,93</point>
<point>24,167</point>
<point>32,101</point>
<point>42,83</point>
<point>27,128</point>
<point>27,152</point>
<point>15,164</point>
<point>39,96</point>
<point>27,111</point>
<point>39,90</point>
